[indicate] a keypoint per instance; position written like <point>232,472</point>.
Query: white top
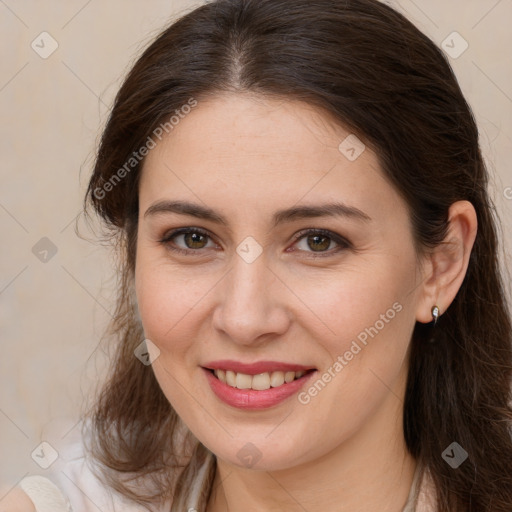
<point>69,485</point>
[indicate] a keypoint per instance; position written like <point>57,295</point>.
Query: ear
<point>445,267</point>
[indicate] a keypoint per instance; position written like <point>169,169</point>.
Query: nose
<point>251,308</point>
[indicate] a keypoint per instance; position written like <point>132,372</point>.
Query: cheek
<point>168,299</point>
<point>166,307</point>
<point>370,320</point>
<point>346,304</point>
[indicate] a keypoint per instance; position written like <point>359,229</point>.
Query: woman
<point>311,313</point>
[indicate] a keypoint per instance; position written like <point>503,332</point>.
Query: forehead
<point>245,125</point>
<point>244,150</point>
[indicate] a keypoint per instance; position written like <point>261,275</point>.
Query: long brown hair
<point>379,76</point>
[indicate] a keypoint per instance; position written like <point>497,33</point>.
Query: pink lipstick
<point>258,385</point>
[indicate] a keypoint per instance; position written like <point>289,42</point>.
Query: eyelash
<point>342,243</point>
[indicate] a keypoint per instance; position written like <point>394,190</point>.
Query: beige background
<point>52,313</point>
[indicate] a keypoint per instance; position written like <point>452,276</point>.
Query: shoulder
<point>70,484</point>
<point>15,500</point>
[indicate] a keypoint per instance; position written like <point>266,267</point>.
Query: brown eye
<point>320,242</point>
<point>194,240</point>
<point>186,240</point>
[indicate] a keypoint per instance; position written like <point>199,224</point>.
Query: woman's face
<point>262,286</point>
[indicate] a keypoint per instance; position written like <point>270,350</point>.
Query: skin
<point>245,157</point>
<point>15,500</point>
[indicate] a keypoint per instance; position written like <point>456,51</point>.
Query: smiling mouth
<point>259,382</point>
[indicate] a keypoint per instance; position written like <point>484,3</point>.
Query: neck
<point>371,470</point>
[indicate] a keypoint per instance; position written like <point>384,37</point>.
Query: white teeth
<point>277,379</point>
<point>243,381</point>
<point>259,382</point>
<point>289,376</point>
<point>231,378</point>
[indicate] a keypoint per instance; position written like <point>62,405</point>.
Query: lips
<point>255,385</point>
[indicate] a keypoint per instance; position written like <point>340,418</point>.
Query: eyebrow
<point>336,209</point>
